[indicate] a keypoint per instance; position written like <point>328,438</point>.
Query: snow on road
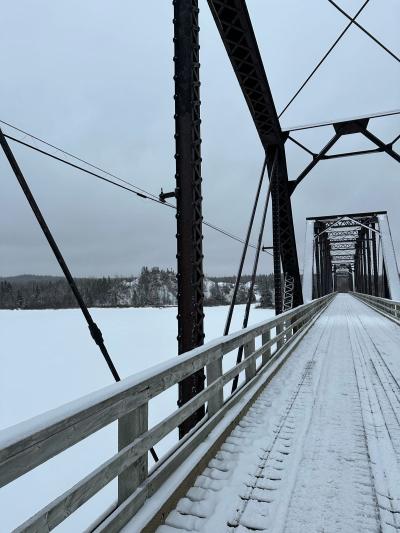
<point>319,450</point>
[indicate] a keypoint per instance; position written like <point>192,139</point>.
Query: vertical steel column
<point>375,261</point>
<point>188,196</point>
<point>351,285</point>
<point>359,267</point>
<point>386,292</point>
<point>364,258</point>
<point>276,241</point>
<point>318,267</point>
<point>360,270</point>
<point>355,277</point>
<point>329,261</point>
<point>308,271</point>
<point>355,271</point>
<point>368,244</point>
<point>364,269</point>
<point>284,242</point>
<point>324,265</point>
<point>328,266</point>
<point>321,263</point>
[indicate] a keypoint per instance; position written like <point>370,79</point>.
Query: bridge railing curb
<point>31,443</point>
<point>388,308</point>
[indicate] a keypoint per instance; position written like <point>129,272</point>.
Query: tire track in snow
<point>327,460</point>
<point>388,390</point>
<point>255,509</point>
<point>209,503</point>
<point>334,489</point>
<point>384,463</point>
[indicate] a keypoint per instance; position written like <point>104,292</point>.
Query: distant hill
<point>26,278</point>
<point>154,287</point>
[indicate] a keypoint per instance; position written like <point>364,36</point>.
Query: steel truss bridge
<point>350,252</point>
<point>251,427</point>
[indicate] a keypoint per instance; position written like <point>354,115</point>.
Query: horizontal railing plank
<point>29,444</point>
<point>199,438</point>
<point>53,514</point>
<point>388,308</point>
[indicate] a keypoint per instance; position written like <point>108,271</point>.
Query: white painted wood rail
<point>389,308</point>
<point>29,444</point>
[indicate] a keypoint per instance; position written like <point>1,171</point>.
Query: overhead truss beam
<point>338,121</point>
<point>236,30</point>
<point>343,127</point>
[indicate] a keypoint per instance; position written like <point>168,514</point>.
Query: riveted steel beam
<point>236,30</point>
<point>233,22</point>
<point>188,196</point>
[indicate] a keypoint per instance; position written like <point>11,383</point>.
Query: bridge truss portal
<point>352,252</point>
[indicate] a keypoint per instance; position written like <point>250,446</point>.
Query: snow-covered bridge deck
<point>309,442</point>
<point>319,450</point>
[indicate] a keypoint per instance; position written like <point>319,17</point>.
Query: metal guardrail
<point>29,444</point>
<point>389,308</point>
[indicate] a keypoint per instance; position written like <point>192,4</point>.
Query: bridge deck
<point>319,450</point>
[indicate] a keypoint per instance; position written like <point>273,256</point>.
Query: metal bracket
<point>164,195</point>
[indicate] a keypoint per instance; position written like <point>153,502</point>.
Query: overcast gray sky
<point>95,78</point>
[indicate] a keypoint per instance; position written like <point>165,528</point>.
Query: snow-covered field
<point>48,358</point>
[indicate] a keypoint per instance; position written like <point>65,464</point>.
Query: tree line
<point>154,287</point>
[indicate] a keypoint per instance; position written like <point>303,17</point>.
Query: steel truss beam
<point>356,152</point>
<point>283,233</point>
<point>343,257</point>
<point>234,25</point>
<point>188,196</point>
<point>341,121</point>
<point>356,223</point>
<point>335,218</point>
<point>342,246</point>
<point>316,159</point>
<point>342,236</point>
<point>344,127</point>
<point>381,145</point>
<point>236,30</point>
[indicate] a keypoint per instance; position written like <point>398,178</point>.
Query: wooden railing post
<point>214,371</point>
<point>289,329</point>
<point>266,356</point>
<point>130,427</point>
<point>279,329</point>
<point>250,348</point>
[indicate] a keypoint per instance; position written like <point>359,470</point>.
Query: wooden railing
<point>31,443</point>
<point>387,307</point>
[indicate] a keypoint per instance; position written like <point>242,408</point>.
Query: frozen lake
<point>48,358</point>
